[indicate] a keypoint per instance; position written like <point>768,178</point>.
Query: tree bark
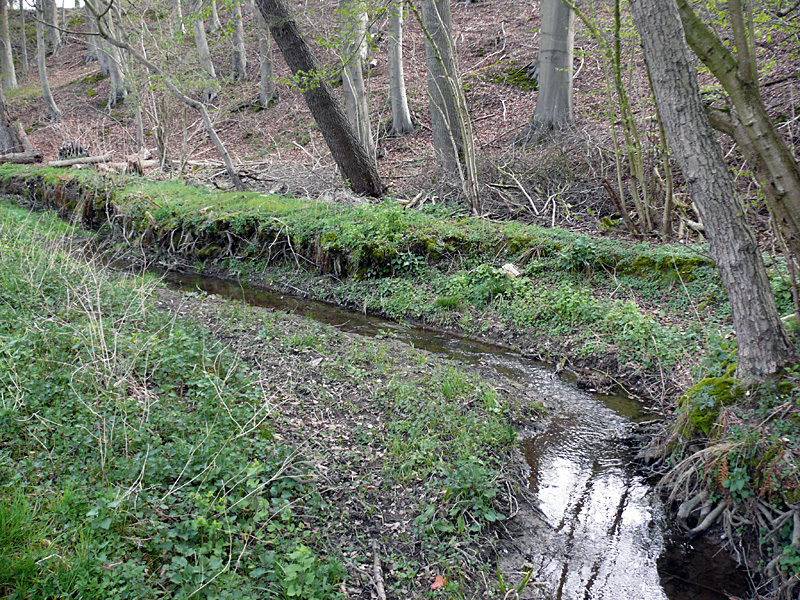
<point>214,24</point>
<point>355,93</point>
<point>782,172</point>
<point>6,59</point>
<point>554,108</point>
<point>238,55</point>
<point>442,82</point>
<point>24,44</point>
<point>204,54</point>
<point>55,113</point>
<point>53,34</point>
<point>22,158</point>
<point>762,341</point>
<point>108,55</point>
<point>401,116</point>
<point>266,88</point>
<point>351,157</point>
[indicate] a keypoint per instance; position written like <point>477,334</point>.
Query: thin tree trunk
<point>351,157</point>
<point>25,61</point>
<point>266,88</point>
<point>763,345</point>
<point>239,55</point>
<point>401,116</point>
<point>108,55</point>
<point>55,113</point>
<point>6,59</point>
<point>177,7</point>
<point>214,24</point>
<point>92,42</point>
<point>200,40</point>
<point>355,93</point>
<point>738,80</point>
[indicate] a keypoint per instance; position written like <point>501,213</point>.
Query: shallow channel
<point>608,537</point>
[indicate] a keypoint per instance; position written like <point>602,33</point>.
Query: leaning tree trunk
<point>401,116</point>
<point>6,59</point>
<point>55,113</point>
<point>739,81</point>
<point>355,92</point>
<point>266,88</point>
<point>554,101</point>
<point>238,55</point>
<point>763,345</point>
<point>351,157</point>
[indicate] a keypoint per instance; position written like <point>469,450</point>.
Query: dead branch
<point>86,160</point>
<point>21,158</point>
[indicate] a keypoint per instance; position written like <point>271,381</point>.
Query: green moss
<point>515,74</point>
<point>702,402</point>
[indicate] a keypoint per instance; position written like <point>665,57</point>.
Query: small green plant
<point>581,256</point>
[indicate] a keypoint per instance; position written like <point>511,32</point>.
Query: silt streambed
<point>607,535</point>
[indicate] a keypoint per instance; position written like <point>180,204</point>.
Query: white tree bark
<point>266,89</point>
<point>401,116</point>
<point>554,108</point>
<point>763,345</point>
<point>239,54</point>
<point>53,35</point>
<point>25,65</point>
<point>214,24</point>
<point>355,93</point>
<point>6,59</point>
<point>41,50</point>
<point>204,54</point>
<point>108,55</point>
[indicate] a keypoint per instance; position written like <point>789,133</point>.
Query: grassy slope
<point>139,457</point>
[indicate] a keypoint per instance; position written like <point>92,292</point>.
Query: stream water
<point>608,537</point>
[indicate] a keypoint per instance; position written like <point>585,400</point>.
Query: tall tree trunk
<point>355,93</point>
<point>401,116</point>
<point>351,157</point>
<point>214,24</point>
<point>177,8</point>
<point>554,101</point>
<point>442,81</point>
<point>41,50</point>
<point>6,59</point>
<point>266,88</point>
<point>92,41</point>
<point>9,140</point>
<point>25,61</point>
<point>739,81</point>
<point>53,34</point>
<point>204,54</point>
<point>450,124</point>
<point>108,55</point>
<point>763,345</point>
<point>239,54</point>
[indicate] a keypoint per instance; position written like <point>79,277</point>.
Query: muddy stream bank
<point>607,535</point>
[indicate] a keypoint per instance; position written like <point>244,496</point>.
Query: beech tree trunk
<point>554,108</point>
<point>401,116</point>
<point>41,50</point>
<point>440,61</point>
<point>763,344</point>
<point>266,88</point>
<point>355,92</point>
<point>53,34</point>
<point>738,78</point>
<point>6,59</point>
<point>108,55</point>
<point>24,44</point>
<point>351,157</point>
<point>214,24</point>
<point>238,55</point>
<point>204,54</point>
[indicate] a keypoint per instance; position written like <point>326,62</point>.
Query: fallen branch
<point>86,160</point>
<point>21,158</point>
<point>376,571</point>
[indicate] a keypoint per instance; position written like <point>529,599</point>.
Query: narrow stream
<point>608,536</point>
